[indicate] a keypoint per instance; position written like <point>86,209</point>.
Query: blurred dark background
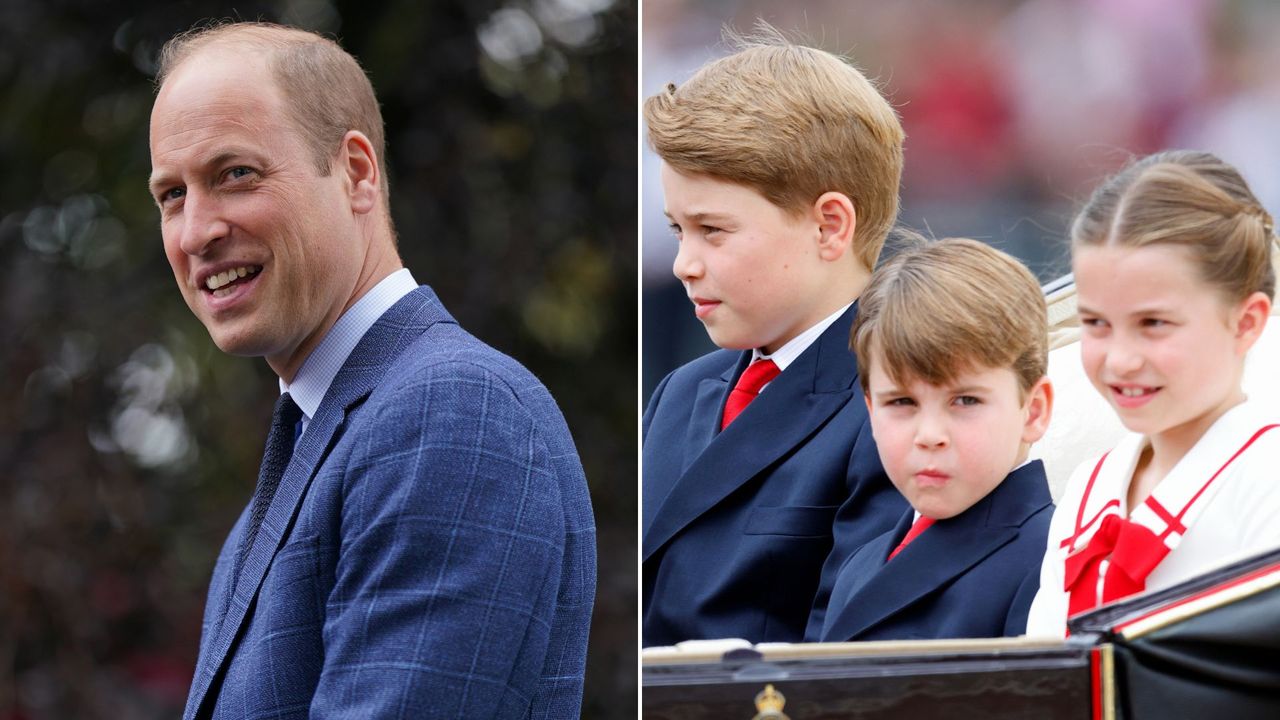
<point>129,443</point>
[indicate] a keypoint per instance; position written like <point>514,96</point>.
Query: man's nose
<point>202,223</point>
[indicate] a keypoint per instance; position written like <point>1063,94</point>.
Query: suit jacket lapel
<point>947,549</point>
<point>704,424</point>
<point>807,393</point>
<point>865,563</point>
<point>362,371</point>
<point>708,409</point>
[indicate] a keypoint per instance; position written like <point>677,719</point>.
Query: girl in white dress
<point>1172,264</point>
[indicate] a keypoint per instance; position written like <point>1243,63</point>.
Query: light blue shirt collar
<point>312,382</point>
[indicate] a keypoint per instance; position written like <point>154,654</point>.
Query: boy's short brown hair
<point>792,123</point>
<point>949,307</point>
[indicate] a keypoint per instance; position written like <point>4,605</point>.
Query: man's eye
<point>172,194</point>
<point>238,172</point>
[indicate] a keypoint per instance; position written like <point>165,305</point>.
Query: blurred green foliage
<point>129,443</point>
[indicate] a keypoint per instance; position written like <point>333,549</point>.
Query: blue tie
<point>284,422</point>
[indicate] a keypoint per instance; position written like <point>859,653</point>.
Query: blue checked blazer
<point>430,551</point>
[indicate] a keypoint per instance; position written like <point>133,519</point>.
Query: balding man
<point>420,541</point>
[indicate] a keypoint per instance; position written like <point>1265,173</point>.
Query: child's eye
<point>1154,322</point>
<point>675,229</point>
<point>1093,322</point>
<point>967,400</point>
<point>710,229</point>
<point>900,402</point>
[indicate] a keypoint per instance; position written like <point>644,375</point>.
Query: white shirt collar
<point>792,349</point>
<point>312,382</point>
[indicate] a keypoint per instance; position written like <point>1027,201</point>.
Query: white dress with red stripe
<point>1219,504</point>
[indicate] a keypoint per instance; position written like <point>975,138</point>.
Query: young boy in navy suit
<point>951,338</point>
<point>780,169</point>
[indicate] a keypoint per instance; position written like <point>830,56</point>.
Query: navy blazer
<point>970,576</point>
<point>738,524</point>
<point>430,551</point>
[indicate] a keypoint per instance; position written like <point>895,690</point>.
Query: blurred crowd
<point>1013,109</point>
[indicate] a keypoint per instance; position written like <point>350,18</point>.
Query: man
<point>420,542</point>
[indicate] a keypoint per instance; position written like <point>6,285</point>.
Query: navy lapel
<point>703,425</point>
<point>947,549</point>
<point>861,567</point>
<point>812,389</point>
<point>708,409</point>
<point>364,368</point>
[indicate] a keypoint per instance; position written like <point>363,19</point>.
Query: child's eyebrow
<point>1136,312</point>
<point>701,216</point>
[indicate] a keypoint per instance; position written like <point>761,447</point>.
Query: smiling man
<point>420,541</point>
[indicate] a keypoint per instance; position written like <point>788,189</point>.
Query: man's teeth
<point>213,282</point>
<point>1133,391</point>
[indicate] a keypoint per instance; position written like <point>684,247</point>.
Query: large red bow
<point>1132,550</point>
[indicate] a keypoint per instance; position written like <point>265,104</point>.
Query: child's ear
<point>1039,408</point>
<point>837,220</point>
<point>1251,319</point>
<point>866,398</point>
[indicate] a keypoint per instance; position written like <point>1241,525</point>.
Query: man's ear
<point>837,220</point>
<point>359,163</point>
<point>1039,410</point>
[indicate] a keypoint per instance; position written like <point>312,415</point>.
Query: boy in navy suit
<point>780,169</point>
<point>951,338</point>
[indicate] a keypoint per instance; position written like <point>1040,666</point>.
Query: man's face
<point>751,269</point>
<point>266,251</point>
<point>945,447</point>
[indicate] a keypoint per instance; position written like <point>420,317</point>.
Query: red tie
<point>757,375</point>
<point>921,524</point>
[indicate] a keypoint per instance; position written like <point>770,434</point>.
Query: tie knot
<point>757,375</point>
<point>918,527</point>
<point>286,413</point>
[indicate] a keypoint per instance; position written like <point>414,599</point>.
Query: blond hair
<point>1192,200</point>
<point>325,90</point>
<point>948,307</point>
<point>792,123</point>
